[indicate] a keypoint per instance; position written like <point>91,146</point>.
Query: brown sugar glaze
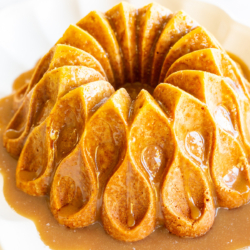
<point>230,230</point>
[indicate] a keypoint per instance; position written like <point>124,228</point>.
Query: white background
<point>238,9</point>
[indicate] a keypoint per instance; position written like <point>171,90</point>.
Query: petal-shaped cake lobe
<point>151,143</point>
<point>217,62</point>
<point>178,26</point>
<point>187,195</point>
<point>51,141</point>
<point>131,197</point>
<point>59,56</point>
<point>81,39</point>
<point>40,69</point>
<point>197,39</point>
<point>230,172</point>
<point>213,61</point>
<point>129,208</point>
<point>40,101</point>
<point>188,205</point>
<point>195,137</point>
<point>65,55</point>
<point>222,101</point>
<point>208,146</point>
<point>89,166</point>
<point>97,25</point>
<point>151,20</point>
<point>123,19</point>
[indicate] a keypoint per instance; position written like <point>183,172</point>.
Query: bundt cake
<point>137,118</point>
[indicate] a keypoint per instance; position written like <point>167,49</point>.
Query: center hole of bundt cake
<point>134,89</point>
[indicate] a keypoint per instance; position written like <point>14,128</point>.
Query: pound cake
<point>136,118</point>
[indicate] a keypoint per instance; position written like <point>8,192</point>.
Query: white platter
<point>29,29</point>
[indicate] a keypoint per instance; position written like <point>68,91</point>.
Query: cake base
<point>230,230</point>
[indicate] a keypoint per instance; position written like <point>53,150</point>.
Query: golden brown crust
<point>123,18</point>
<point>228,110</point>
<point>81,39</point>
<point>197,39</point>
<point>65,55</point>
<point>57,136</point>
<point>217,151</point>
<point>184,192</point>
<point>131,197</point>
<point>178,26</point>
<point>40,69</point>
<point>60,55</point>
<point>40,101</point>
<point>213,61</point>
<point>97,25</point>
<point>89,166</point>
<point>151,20</point>
<point>188,203</point>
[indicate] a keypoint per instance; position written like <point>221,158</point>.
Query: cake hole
<point>134,89</point>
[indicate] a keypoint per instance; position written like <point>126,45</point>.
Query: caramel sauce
<point>194,210</point>
<point>27,175</point>
<point>152,159</point>
<point>235,179</point>
<point>230,230</point>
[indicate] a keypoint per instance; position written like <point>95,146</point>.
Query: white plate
<point>29,29</point>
